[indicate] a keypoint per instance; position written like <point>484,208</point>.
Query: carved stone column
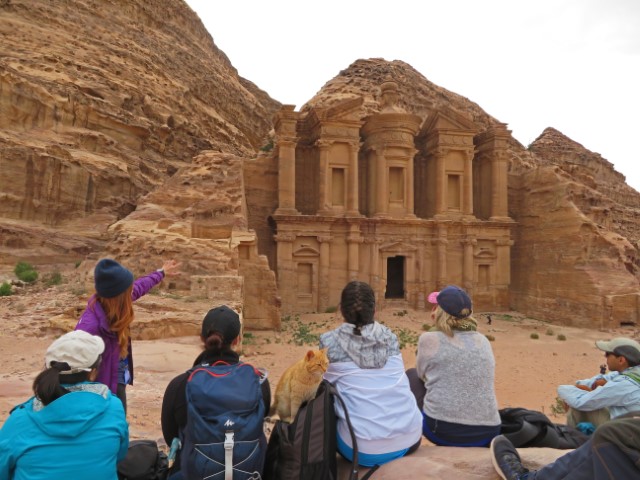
<point>411,184</point>
<point>467,196</point>
<point>353,252</point>
<point>467,264</point>
<point>441,179</point>
<point>324,280</point>
<point>374,272</point>
<point>441,243</point>
<point>353,189</point>
<point>286,268</point>
<point>381,185</point>
<point>503,260</point>
<point>323,172</point>
<point>286,177</point>
<point>285,127</point>
<point>499,194</point>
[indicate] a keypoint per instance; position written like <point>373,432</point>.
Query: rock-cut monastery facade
<point>404,203</point>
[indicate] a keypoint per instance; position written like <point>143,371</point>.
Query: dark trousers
<point>121,393</point>
<point>613,453</point>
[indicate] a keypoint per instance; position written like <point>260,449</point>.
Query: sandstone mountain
<point>100,103</point>
<point>125,131</point>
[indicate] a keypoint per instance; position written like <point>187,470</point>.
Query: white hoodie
<point>382,409</point>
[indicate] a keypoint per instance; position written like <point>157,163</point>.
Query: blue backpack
<point>224,436</point>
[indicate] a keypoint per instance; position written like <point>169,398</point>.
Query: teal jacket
<point>82,434</point>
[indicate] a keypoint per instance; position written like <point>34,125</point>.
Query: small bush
<point>248,338</point>
<point>25,272</point>
<point>557,408</point>
<point>550,331</point>
<point>491,338</point>
<point>561,337</point>
<point>331,309</point>
<point>5,289</point>
<point>534,336</point>
<point>54,278</point>
<point>426,327</point>
<point>77,264</point>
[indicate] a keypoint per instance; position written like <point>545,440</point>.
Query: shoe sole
<point>496,467</point>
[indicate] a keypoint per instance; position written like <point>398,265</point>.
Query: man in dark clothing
<point>612,453</point>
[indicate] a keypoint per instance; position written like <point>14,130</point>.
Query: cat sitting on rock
<point>299,383</point>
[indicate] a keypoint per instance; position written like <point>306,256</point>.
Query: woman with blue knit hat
<point>109,314</point>
<point>453,381</point>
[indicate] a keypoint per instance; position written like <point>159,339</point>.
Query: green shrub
<point>550,331</point>
<point>5,289</point>
<point>331,309</point>
<point>53,278</point>
<point>561,337</point>
<point>534,336</point>
<point>25,272</point>
<point>557,408</point>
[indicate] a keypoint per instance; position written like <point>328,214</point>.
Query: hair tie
<point>60,366</point>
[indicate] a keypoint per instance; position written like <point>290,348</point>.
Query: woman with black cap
<point>109,314</point>
<point>455,365</point>
<point>220,334</point>
<point>72,427</point>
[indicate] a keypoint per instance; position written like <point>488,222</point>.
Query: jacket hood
<point>372,348</point>
<point>73,413</point>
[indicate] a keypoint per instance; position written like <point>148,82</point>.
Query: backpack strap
<point>633,376</point>
<point>354,466</point>
<point>228,456</point>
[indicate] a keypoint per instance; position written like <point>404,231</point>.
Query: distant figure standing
<point>489,319</point>
<point>109,314</point>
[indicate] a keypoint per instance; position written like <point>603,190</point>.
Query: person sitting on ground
<point>109,314</point>
<point>366,367</point>
<point>598,399</point>
<point>612,452</point>
<point>72,427</point>
<point>453,381</point>
<point>220,334</point>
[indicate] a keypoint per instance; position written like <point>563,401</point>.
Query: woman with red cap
<point>109,314</point>
<point>453,381</point>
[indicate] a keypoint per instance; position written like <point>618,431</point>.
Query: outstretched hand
<point>171,268</point>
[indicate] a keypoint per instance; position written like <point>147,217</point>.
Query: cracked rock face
<point>101,102</point>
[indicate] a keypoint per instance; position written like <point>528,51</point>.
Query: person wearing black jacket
<point>220,334</point>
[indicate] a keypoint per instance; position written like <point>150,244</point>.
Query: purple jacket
<point>94,321</point>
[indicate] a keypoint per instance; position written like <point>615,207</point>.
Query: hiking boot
<point>506,460</point>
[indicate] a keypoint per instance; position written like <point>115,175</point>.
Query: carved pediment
<point>306,251</point>
<point>398,247</point>
<point>447,119</point>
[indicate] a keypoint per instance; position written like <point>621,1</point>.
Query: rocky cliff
<point>100,103</point>
<point>103,106</point>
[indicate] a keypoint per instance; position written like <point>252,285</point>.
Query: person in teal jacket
<point>72,427</point>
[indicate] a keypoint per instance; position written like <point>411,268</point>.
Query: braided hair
<point>357,305</point>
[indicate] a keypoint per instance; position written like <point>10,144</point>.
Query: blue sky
<point>569,64</point>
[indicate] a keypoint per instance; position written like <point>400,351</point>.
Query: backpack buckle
<point>228,441</point>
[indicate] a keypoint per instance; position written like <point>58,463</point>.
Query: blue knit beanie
<point>111,278</point>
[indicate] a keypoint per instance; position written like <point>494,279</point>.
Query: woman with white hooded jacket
<point>367,369</point>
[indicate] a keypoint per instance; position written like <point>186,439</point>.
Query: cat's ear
<point>310,355</point>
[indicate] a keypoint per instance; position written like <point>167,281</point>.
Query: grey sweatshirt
<point>459,376</point>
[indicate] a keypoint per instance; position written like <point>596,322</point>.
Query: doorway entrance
<point>395,277</point>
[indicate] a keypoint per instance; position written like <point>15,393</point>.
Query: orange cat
<point>299,384</point>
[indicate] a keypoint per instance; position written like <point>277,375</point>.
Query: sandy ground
<point>527,370</point>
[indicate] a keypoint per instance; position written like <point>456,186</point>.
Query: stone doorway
<point>395,277</point>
